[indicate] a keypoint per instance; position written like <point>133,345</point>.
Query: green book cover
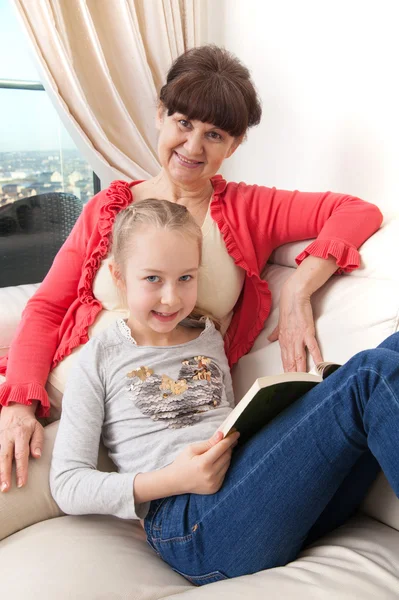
<point>268,397</point>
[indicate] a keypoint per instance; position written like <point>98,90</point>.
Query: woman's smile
<point>191,152</point>
<point>185,162</point>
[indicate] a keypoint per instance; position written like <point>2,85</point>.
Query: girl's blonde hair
<point>161,214</point>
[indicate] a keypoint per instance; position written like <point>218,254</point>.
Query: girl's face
<point>160,281</point>
<point>191,151</point>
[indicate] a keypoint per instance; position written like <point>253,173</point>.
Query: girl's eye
<point>186,278</point>
<point>152,278</point>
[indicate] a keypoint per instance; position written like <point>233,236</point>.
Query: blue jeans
<point>300,476</point>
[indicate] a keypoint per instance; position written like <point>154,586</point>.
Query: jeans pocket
<point>153,520</point>
<point>198,580</point>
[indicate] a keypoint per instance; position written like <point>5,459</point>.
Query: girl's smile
<point>165,317</point>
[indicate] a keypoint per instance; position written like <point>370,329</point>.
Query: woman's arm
<point>32,350</point>
<point>341,223</point>
<point>33,347</point>
<point>296,329</point>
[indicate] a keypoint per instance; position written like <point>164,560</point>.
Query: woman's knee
<point>391,342</point>
<point>375,363</point>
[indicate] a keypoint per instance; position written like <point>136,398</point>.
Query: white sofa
<point>46,555</point>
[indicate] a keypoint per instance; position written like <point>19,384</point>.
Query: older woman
<point>205,109</point>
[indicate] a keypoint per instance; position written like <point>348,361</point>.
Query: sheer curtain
<point>102,63</point>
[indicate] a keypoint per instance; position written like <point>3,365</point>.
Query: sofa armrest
<point>12,303</point>
<point>32,503</point>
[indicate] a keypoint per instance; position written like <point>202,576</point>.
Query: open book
<point>269,396</point>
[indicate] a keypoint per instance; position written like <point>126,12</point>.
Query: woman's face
<point>191,151</point>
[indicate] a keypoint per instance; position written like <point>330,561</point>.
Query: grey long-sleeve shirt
<point>148,403</point>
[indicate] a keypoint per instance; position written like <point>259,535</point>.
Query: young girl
<point>151,385</point>
<point>157,386</point>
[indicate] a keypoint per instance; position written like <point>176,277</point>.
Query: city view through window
<point>36,153</point>
<point>32,172</point>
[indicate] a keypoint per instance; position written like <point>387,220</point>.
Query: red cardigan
<point>253,220</point>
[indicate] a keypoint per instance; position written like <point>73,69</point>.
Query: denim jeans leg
<point>347,498</point>
<point>282,479</point>
<point>356,484</point>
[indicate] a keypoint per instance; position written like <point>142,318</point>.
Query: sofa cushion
<point>107,558</point>
<point>382,504</point>
<point>33,503</point>
<point>85,558</point>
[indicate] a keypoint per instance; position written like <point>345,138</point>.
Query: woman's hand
<point>20,435</point>
<point>201,467</point>
<point>295,330</point>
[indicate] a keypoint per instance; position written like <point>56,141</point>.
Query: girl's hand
<point>20,435</point>
<point>201,467</point>
<point>296,330</point>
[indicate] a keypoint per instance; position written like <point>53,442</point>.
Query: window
<point>36,153</point>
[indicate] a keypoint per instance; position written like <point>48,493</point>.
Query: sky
<point>28,120</point>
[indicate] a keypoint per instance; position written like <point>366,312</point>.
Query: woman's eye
<point>214,135</point>
<point>152,278</point>
<point>184,123</point>
<point>186,278</point>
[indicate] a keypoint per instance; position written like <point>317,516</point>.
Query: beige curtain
<point>102,63</point>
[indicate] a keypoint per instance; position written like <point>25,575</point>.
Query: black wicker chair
<point>32,230</point>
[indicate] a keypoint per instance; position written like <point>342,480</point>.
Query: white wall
<point>327,73</point>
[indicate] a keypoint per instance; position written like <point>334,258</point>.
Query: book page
<point>324,368</point>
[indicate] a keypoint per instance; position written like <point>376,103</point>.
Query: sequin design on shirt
<point>178,403</point>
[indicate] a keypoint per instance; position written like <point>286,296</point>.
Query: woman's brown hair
<point>211,85</point>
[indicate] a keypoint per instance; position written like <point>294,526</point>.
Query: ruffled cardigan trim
<point>347,257</point>
<point>234,352</point>
<point>25,393</point>
<point>121,196</point>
